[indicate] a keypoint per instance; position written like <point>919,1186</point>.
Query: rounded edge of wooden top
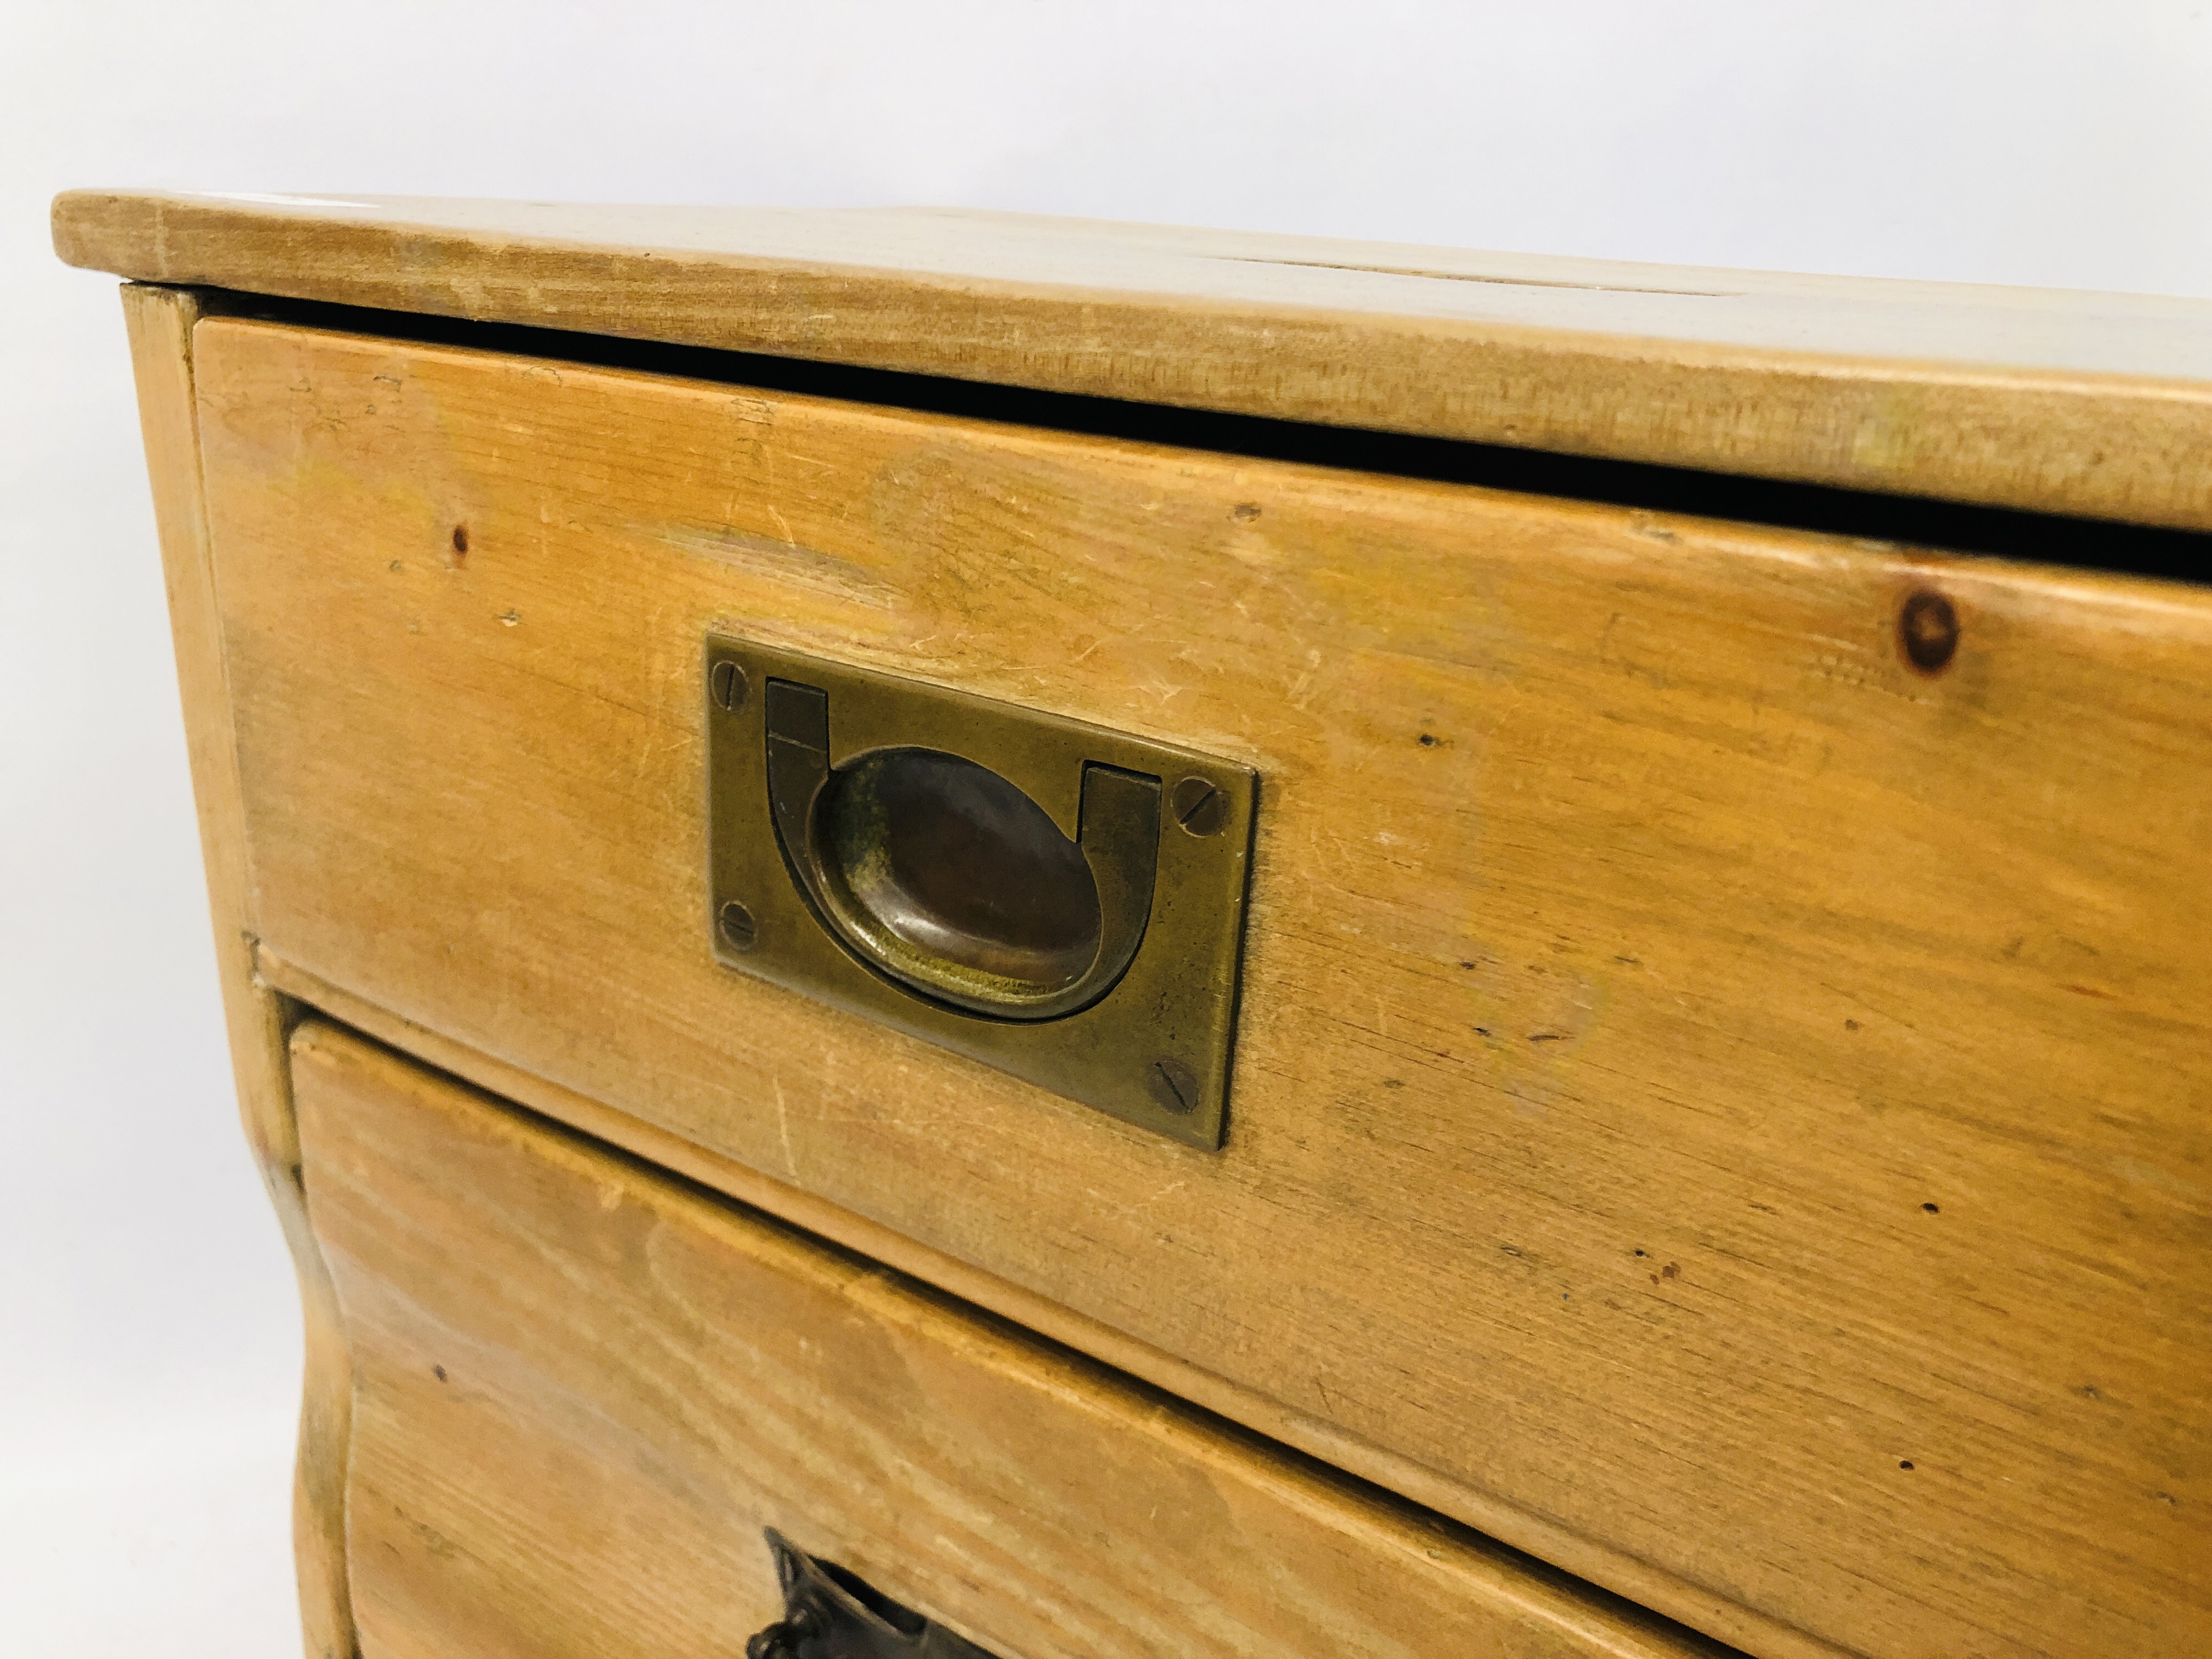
<point>2081,404</point>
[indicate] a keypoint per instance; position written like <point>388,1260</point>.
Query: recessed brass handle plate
<point>1060,900</point>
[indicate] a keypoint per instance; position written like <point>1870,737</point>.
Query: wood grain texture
<point>161,323</point>
<point>2091,404</point>
<point>1693,1065</point>
<point>584,1387</point>
<point>669,1150</point>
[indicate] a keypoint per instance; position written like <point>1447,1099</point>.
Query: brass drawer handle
<point>944,876</point>
<point>1060,900</point>
<point>831,1613</point>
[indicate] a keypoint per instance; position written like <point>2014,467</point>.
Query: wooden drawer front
<point>582,1388</point>
<point>1713,1105</point>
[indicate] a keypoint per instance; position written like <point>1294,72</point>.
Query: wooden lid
<point>2093,404</point>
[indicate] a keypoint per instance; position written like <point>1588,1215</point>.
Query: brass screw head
<point>1174,1085</point>
<point>1199,807</point>
<point>738,931</point>
<point>729,684</point>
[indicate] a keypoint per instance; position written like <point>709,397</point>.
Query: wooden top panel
<point>2094,404</point>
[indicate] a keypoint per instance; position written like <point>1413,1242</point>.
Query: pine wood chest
<point>1608,866</point>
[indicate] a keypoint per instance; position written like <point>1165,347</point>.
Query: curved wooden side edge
<point>258,1017</point>
<point>1635,1582</point>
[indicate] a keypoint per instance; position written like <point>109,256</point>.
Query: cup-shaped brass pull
<point>832,1612</point>
<point>945,878</point>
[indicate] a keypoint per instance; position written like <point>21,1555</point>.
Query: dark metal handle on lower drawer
<point>831,1613</point>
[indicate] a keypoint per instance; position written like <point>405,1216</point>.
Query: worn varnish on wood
<point>1719,1103</point>
<point>2096,404</point>
<point>583,1390</point>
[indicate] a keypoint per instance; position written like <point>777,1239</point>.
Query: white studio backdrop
<point>148,1335</point>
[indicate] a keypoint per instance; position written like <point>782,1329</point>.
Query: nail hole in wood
<point>1927,630</point>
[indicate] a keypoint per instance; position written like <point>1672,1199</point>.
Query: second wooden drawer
<point>581,1390</point>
